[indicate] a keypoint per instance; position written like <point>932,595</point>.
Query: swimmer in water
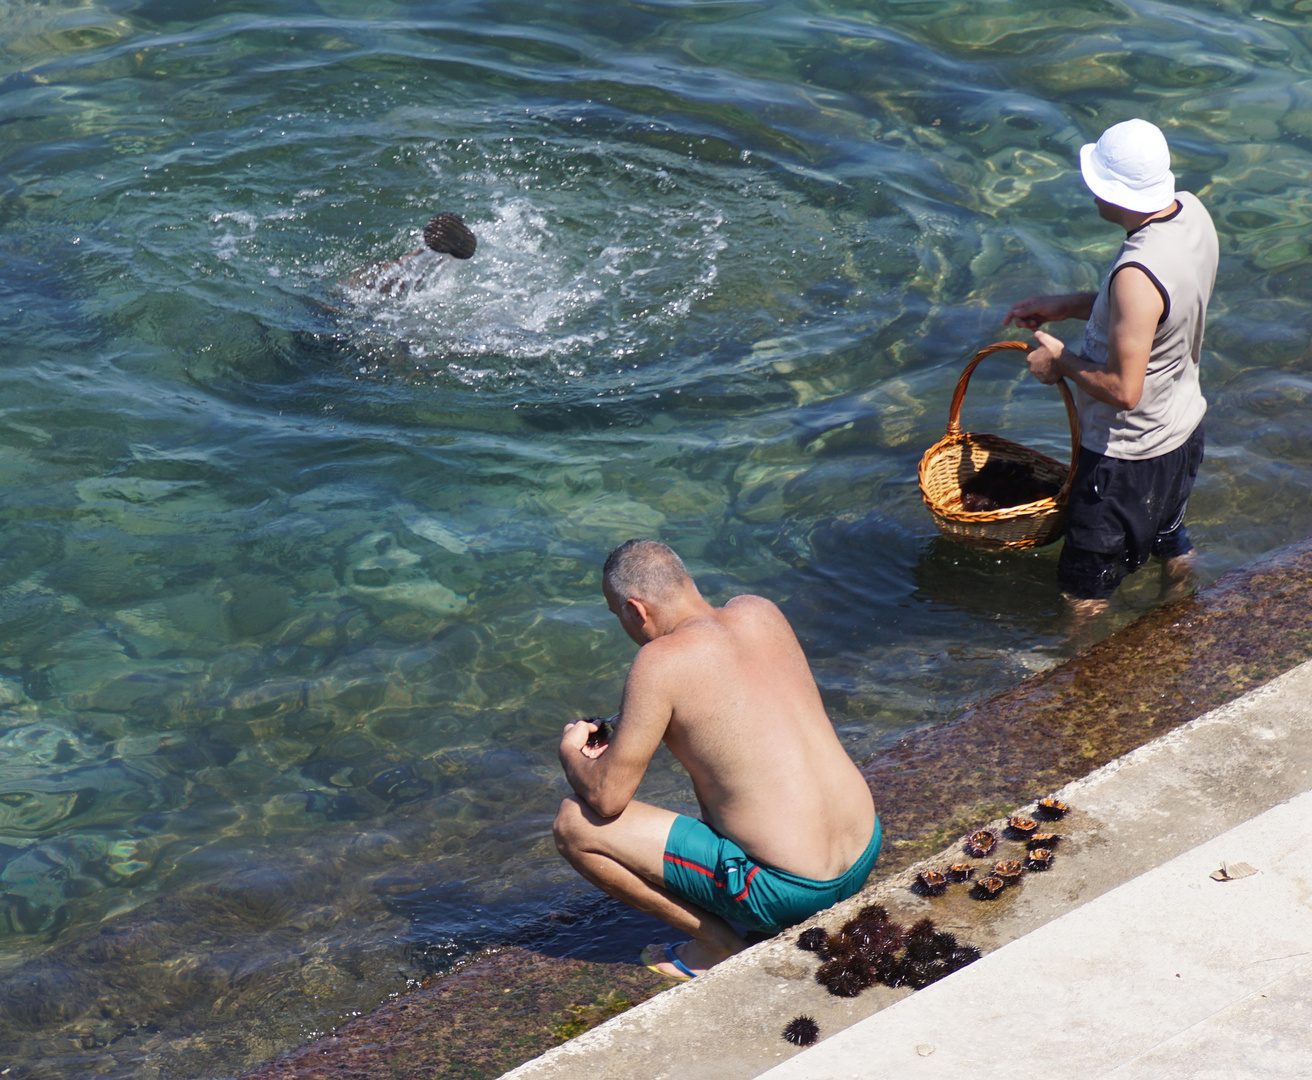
<point>445,234</point>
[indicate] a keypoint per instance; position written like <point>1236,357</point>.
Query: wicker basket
<point>959,455</point>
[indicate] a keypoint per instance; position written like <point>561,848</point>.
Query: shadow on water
<point>951,575</point>
<point>593,927</point>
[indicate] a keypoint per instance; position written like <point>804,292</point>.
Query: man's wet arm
<point>613,778</point>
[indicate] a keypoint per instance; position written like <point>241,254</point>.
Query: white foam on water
<point>226,241</point>
<point>532,294</point>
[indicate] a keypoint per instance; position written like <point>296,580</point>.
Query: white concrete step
<point>1169,975</point>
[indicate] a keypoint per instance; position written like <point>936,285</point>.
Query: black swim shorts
<point>1121,512</point>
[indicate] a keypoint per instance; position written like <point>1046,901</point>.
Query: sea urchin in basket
<point>965,460</point>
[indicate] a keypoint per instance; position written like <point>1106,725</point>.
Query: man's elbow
<point>1125,397</point>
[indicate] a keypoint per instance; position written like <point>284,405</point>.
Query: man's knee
<point>569,826</point>
<point>1089,575</point>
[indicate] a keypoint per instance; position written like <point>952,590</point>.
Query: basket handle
<point>959,395</point>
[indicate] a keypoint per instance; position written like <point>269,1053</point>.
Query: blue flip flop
<point>670,957</point>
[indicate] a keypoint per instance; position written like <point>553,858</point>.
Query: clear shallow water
<point>298,585</point>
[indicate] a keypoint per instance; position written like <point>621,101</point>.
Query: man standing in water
<point>1136,375</point>
<point>787,826</point>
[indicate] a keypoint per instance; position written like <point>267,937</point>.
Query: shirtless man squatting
<point>788,826</point>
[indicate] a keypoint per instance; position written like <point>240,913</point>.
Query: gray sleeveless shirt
<point>1179,255</point>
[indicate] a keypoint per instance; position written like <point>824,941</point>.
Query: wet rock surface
<point>504,1006</point>
<point>1170,667</point>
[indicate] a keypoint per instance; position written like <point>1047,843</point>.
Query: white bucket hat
<point>1130,166</point>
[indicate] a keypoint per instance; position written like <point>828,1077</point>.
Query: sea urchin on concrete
<point>801,1031</point>
<point>812,939</point>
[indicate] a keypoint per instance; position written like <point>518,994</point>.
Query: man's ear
<point>640,609</point>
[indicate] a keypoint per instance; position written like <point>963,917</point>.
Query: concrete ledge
<point>1170,974</point>
<point>1132,816</point>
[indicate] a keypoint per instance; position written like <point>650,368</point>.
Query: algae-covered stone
<point>382,570</point>
<point>258,606</point>
<point>23,552</point>
<point>433,530</point>
<point>761,489</point>
<point>677,496</point>
<point>617,513</point>
<point>111,492</point>
<point>268,698</point>
<point>428,595</point>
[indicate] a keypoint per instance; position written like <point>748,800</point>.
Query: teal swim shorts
<point>713,872</point>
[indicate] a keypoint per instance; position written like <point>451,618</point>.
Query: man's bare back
<point>788,824</point>
<point>746,721</point>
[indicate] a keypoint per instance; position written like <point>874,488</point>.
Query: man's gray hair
<point>645,569</point>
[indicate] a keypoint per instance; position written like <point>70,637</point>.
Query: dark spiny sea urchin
<point>846,977</point>
<point>812,939</point>
<point>872,913</point>
<point>960,957</point>
<point>802,1031</point>
<point>980,843</point>
<point>918,974</point>
<point>838,946</point>
<point>872,939</point>
<point>885,967</point>
<point>920,932</point>
<point>924,942</point>
<point>930,955</point>
<point>871,949</point>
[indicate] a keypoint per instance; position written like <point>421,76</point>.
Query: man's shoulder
<point>751,604</point>
<point>1193,215</point>
<point>1184,242</point>
<point>703,636</point>
<point>754,614</point>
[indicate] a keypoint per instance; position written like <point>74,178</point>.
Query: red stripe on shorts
<point>747,884</point>
<point>690,865</point>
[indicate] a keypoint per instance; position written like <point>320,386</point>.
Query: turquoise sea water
<point>298,584</point>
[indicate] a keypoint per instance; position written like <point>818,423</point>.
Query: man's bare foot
<point>1082,621</point>
<point>1084,609</point>
<point>1178,577</point>
<point>695,958</point>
